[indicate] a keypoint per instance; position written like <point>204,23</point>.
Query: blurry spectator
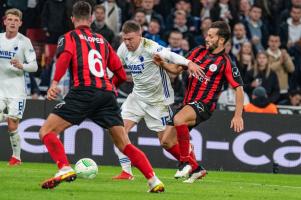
<point>54,20</point>
<point>113,15</point>
<point>183,5</point>
<point>285,13</point>
<point>244,8</point>
<point>174,42</point>
<point>271,10</point>
<point>294,99</point>
<point>228,47</point>
<point>179,89</point>
<point>140,18</point>
<point>185,45</point>
<point>54,23</point>
<point>153,32</point>
<point>128,8</point>
<point>193,23</point>
<point>205,25</point>
<point>2,11</point>
<point>205,7</point>
<point>281,63</point>
<point>32,88</point>
<point>262,75</point>
<point>290,31</point>
<point>223,10</point>
<point>19,4</point>
<point>148,6</point>
<point>180,21</point>
<point>295,52</point>
<point>227,97</point>
<point>260,103</point>
<point>99,25</point>
<point>163,7</point>
<point>239,37</point>
<point>257,32</point>
<point>245,59</point>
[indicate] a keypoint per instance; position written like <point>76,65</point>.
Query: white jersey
<point>151,83</point>
<point>12,79</point>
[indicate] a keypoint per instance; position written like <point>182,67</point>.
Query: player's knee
<point>165,144</point>
<point>12,126</point>
<point>43,131</point>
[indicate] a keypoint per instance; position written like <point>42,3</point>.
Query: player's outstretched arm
<point>237,122</point>
<point>192,68</point>
<point>170,67</point>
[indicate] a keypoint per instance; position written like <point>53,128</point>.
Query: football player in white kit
<point>152,93</point>
<point>16,57</point>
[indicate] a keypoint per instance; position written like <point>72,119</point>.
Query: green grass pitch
<point>22,183</point>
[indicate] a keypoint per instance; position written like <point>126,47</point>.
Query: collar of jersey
<point>217,54</point>
<point>82,26</point>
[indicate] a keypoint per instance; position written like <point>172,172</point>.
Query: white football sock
<point>15,144</point>
<point>124,161</point>
<point>3,116</point>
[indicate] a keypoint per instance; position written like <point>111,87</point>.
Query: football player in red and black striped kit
<point>92,95</point>
<point>202,92</point>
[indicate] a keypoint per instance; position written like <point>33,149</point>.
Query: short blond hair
<point>14,11</point>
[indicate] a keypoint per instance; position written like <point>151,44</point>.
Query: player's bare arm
<point>237,122</point>
<point>170,67</point>
<point>193,68</point>
<point>62,65</point>
<point>53,91</point>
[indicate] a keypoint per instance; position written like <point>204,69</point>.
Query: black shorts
<point>98,105</point>
<point>201,110</point>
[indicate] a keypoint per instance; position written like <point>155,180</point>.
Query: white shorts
<point>155,116</point>
<point>15,107</point>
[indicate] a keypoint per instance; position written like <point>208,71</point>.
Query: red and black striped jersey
<point>91,56</point>
<point>218,68</point>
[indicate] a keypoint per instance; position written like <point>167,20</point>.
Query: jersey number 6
<point>94,58</point>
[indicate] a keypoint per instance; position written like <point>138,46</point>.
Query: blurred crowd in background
<point>265,43</point>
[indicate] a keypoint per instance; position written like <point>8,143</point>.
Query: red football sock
<point>139,160</point>
<point>56,149</point>
<point>192,160</point>
<point>175,151</point>
<point>191,154</point>
<point>184,142</point>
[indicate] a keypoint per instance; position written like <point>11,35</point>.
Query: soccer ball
<point>86,168</point>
